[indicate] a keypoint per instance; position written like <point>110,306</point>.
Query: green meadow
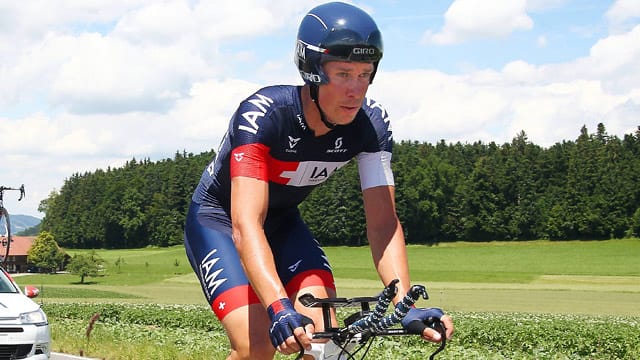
<point>527,300</point>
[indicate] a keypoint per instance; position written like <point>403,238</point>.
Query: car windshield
<point>6,285</point>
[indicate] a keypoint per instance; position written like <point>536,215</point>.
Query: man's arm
<point>249,203</point>
<point>386,237</point>
<point>249,200</point>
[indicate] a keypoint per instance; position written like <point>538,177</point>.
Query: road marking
<point>71,357</point>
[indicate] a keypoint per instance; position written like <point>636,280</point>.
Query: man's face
<point>342,97</point>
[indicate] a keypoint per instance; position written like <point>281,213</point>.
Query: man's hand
<point>287,331</point>
<point>423,321</point>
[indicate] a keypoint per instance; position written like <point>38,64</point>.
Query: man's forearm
<point>257,261</point>
<point>390,258</point>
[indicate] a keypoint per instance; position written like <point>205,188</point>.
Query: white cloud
<point>22,134</point>
<point>145,59</point>
<point>541,5</point>
<point>549,102</point>
<point>29,21</point>
<point>469,108</point>
<point>614,60</point>
<point>202,119</point>
<point>622,14</point>
<point>107,75</point>
<point>477,19</point>
<point>433,105</point>
<point>161,23</point>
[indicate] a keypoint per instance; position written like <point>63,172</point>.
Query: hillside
<point>20,223</point>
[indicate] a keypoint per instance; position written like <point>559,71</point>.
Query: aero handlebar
<point>367,324</point>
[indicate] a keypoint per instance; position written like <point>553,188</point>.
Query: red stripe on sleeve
<point>251,161</point>
<point>254,161</point>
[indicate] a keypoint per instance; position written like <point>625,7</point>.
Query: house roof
<point>19,246</point>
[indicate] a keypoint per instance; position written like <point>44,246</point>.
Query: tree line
<point>581,189</point>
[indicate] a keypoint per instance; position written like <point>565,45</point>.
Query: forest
<point>573,190</point>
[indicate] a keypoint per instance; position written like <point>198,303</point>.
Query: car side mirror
<point>31,291</point>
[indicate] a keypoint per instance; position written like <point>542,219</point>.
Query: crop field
<point>515,300</point>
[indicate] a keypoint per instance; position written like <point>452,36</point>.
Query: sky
<point>91,84</point>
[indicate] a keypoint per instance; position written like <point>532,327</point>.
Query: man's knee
<point>248,331</point>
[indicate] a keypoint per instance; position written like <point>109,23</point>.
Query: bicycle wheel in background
<point>5,235</point>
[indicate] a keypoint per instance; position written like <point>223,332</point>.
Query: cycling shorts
<point>300,261</point>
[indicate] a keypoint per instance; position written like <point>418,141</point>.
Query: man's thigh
<point>247,328</point>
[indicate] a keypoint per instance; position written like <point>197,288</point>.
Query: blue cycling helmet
<point>336,31</point>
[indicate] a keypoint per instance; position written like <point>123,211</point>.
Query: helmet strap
<point>313,91</point>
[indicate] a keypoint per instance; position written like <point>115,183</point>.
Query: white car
<point>24,328</point>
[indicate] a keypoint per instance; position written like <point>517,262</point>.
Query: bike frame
<point>364,325</point>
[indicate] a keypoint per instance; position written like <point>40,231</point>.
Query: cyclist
<point>244,236</point>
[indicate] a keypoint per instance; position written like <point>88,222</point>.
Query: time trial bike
<point>354,339</point>
<point>5,223</point>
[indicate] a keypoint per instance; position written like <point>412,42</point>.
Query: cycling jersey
<point>268,139</point>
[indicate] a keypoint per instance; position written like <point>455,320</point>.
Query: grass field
<point>597,279</point>
<point>585,277</point>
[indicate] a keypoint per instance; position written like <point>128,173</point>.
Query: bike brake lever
<point>305,321</point>
<point>417,291</point>
<point>439,327</point>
